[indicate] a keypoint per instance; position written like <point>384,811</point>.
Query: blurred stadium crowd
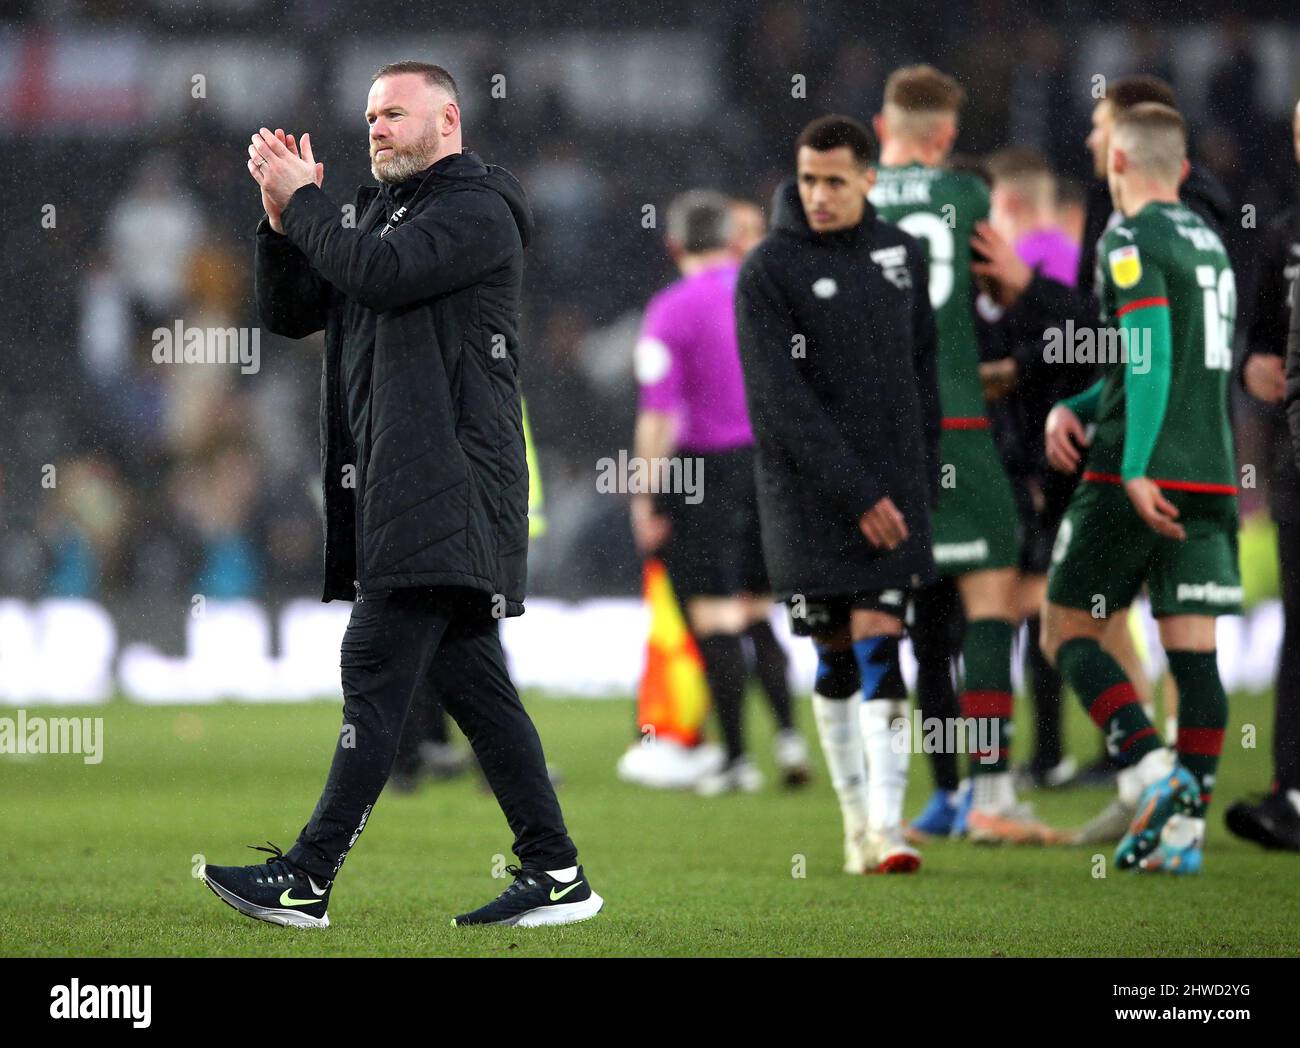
<point>173,480</point>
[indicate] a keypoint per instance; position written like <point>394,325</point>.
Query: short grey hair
<point>700,220</point>
<point>434,75</point>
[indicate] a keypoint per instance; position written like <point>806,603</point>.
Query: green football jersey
<point>940,208</point>
<point>1167,284</point>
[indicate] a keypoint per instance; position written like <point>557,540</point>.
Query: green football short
<point>1104,553</point>
<point>976,526</point>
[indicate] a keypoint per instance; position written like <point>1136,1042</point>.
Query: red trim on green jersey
<point>1140,303</point>
<point>966,423</point>
<point>1196,486</point>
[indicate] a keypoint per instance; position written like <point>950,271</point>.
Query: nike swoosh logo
<point>557,896</point>
<point>288,900</point>
<point>318,891</point>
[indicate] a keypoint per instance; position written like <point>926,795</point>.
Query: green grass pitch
<point>98,860</point>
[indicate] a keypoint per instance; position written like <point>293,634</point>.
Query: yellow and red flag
<point>674,696</point>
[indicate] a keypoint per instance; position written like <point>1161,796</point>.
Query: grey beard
<point>401,166</point>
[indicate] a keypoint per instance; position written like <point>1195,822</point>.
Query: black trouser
<point>426,721</point>
<point>393,643</point>
<point>1286,717</point>
<point>937,630</point>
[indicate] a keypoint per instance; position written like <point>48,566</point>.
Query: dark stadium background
<point>197,482</point>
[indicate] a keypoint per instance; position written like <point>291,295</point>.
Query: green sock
<point>1202,715</point>
<point>986,692</point>
<point>1109,698</point>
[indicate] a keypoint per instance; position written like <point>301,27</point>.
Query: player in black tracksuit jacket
<point>838,346</point>
<point>845,418</point>
<point>1274,820</point>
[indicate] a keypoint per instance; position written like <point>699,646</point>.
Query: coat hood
<point>788,216</point>
<point>468,166</point>
<point>787,210</point>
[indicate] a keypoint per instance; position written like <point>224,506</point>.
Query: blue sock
<point>879,668</point>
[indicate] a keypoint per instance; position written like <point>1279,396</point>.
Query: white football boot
<point>740,776</point>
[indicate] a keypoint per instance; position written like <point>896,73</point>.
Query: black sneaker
<point>273,891</point>
<point>1271,821</point>
<point>1041,776</point>
<point>536,898</point>
<point>1101,772</point>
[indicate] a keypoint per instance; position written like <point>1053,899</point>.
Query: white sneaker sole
<point>284,918</point>
<point>564,913</point>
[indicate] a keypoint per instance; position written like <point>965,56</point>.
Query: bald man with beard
<point>417,289</point>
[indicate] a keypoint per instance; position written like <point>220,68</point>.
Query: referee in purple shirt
<point>692,409</point>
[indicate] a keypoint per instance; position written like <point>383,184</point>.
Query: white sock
<point>1171,731</point>
<point>1182,830</point>
<point>887,751</point>
<point>840,731</point>
<point>1151,768</point>
<point>994,792</point>
<point>565,875</point>
<point>1293,798</point>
